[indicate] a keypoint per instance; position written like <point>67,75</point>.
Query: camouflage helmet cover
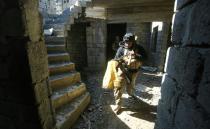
<point>129,37</point>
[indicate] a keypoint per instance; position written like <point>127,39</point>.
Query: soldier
<point>130,57</point>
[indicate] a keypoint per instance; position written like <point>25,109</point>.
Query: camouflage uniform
<point>133,65</point>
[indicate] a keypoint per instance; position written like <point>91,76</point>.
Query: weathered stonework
<point>76,45</point>
<point>24,93</point>
<point>185,86</point>
<point>157,54</point>
<point>96,44</point>
<point>184,90</point>
<point>191,24</point>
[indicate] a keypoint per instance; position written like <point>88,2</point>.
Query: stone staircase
<point>69,94</point>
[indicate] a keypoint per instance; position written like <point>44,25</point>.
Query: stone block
<point>49,123</point>
<point>89,45</point>
<point>185,65</point>
<point>180,24</point>
<point>41,91</point>
<point>191,25</point>
<point>33,21</point>
<point>44,110</point>
<point>204,87</point>
<point>91,52</point>
<point>91,60</point>
<point>203,96</point>
<point>168,90</point>
<point>189,114</point>
<point>38,60</point>
<point>181,3</point>
<point>164,116</point>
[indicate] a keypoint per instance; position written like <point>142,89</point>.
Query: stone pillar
<point>185,89</point>
<point>96,44</point>
<point>24,91</point>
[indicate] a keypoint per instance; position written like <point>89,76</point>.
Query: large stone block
<point>180,23</point>
<point>45,110</point>
<point>185,65</point>
<point>41,91</point>
<point>49,123</point>
<point>32,20</point>
<point>191,25</point>
<point>179,4</point>
<point>189,114</point>
<point>164,117</point>
<point>168,90</point>
<point>204,95</point>
<point>204,87</point>
<point>38,60</point>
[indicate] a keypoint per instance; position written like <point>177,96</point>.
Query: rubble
<point>100,115</point>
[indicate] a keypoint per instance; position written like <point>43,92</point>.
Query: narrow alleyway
<point>136,113</point>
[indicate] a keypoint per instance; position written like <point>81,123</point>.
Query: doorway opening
<point>115,33</point>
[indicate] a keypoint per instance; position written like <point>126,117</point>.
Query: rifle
<point>124,69</point>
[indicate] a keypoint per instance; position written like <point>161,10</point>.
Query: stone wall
<point>96,44</point>
<point>142,31</point>
<point>152,11</point>
<point>157,53</point>
<point>77,45</point>
<point>24,91</point>
<point>185,89</point>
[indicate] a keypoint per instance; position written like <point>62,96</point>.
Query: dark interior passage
<point>115,34</point>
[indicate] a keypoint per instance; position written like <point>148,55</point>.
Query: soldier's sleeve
<point>119,53</point>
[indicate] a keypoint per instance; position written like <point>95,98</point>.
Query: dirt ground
<point>136,113</point>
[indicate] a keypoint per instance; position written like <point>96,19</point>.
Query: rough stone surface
<point>204,89</point>
<point>96,44</point>
<point>189,114</point>
<point>185,90</point>
<point>158,50</point>
<point>185,65</point>
<point>38,60</point>
<point>23,67</point>
<point>179,4</point>
<point>76,45</point>
<point>191,24</point>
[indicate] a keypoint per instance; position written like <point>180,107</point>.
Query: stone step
<point>58,57</point>
<point>55,48</point>
<point>54,40</point>
<point>61,68</point>
<point>67,116</point>
<point>64,80</point>
<point>58,33</point>
<point>66,95</point>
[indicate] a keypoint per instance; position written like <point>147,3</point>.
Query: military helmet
<point>129,37</point>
